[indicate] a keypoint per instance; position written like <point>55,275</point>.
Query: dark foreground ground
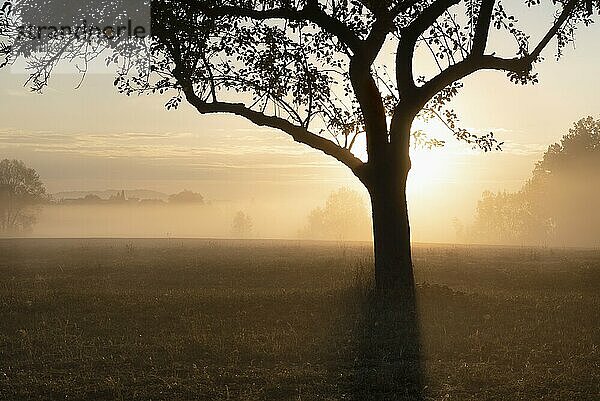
<point>224,320</point>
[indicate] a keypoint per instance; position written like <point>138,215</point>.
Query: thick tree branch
<point>298,133</point>
<point>562,18</point>
<point>476,62</point>
<point>427,17</point>
<point>408,40</point>
<point>404,67</point>
<point>482,29</point>
<point>383,25</point>
<point>409,104</point>
<point>373,43</point>
<point>374,111</point>
<point>312,12</point>
<point>466,67</point>
<point>371,104</point>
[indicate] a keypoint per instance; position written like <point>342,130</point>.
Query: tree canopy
<point>186,196</point>
<point>20,189</point>
<point>343,217</point>
<point>316,70</point>
<point>557,205</point>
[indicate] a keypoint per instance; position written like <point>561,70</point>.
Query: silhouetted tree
<point>344,216</point>
<point>91,198</point>
<point>20,190</point>
<point>317,70</point>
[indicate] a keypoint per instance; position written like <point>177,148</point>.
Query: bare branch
<point>428,17</point>
<point>371,104</point>
<point>562,18</point>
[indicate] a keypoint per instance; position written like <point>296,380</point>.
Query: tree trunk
<point>391,230</point>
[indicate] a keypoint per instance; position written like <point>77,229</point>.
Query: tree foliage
<point>20,190</point>
<point>313,69</point>
<point>557,205</point>
<point>343,217</point>
<point>186,196</point>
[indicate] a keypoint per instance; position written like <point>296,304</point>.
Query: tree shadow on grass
<point>388,360</point>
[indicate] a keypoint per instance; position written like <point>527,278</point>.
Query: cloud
<point>221,155</point>
<point>524,149</point>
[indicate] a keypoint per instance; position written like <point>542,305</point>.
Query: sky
<point>93,138</point>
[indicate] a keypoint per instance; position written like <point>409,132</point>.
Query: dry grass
<point>226,320</point>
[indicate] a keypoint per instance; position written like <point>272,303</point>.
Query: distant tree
<point>20,190</point>
<point>578,151</point>
<point>507,218</point>
<point>557,204</point>
<point>320,72</point>
<point>343,217</point>
<point>565,187</point>
<point>91,198</point>
<point>186,196</point>
<point>241,226</point>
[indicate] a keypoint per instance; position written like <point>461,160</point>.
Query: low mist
<point>159,221</point>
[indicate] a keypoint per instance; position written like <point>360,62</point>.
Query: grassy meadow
<point>117,319</point>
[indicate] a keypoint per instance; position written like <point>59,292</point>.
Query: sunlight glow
<point>429,166</point>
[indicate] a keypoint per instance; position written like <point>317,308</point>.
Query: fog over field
<point>280,217</point>
<point>552,208</point>
<point>157,221</point>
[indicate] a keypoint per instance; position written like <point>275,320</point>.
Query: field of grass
<point>257,320</point>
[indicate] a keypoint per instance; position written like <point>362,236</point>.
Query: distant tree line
<point>558,205</point>
<point>344,216</point>
<point>22,193</point>
<point>180,198</point>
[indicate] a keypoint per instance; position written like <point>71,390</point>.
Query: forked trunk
<point>391,230</point>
